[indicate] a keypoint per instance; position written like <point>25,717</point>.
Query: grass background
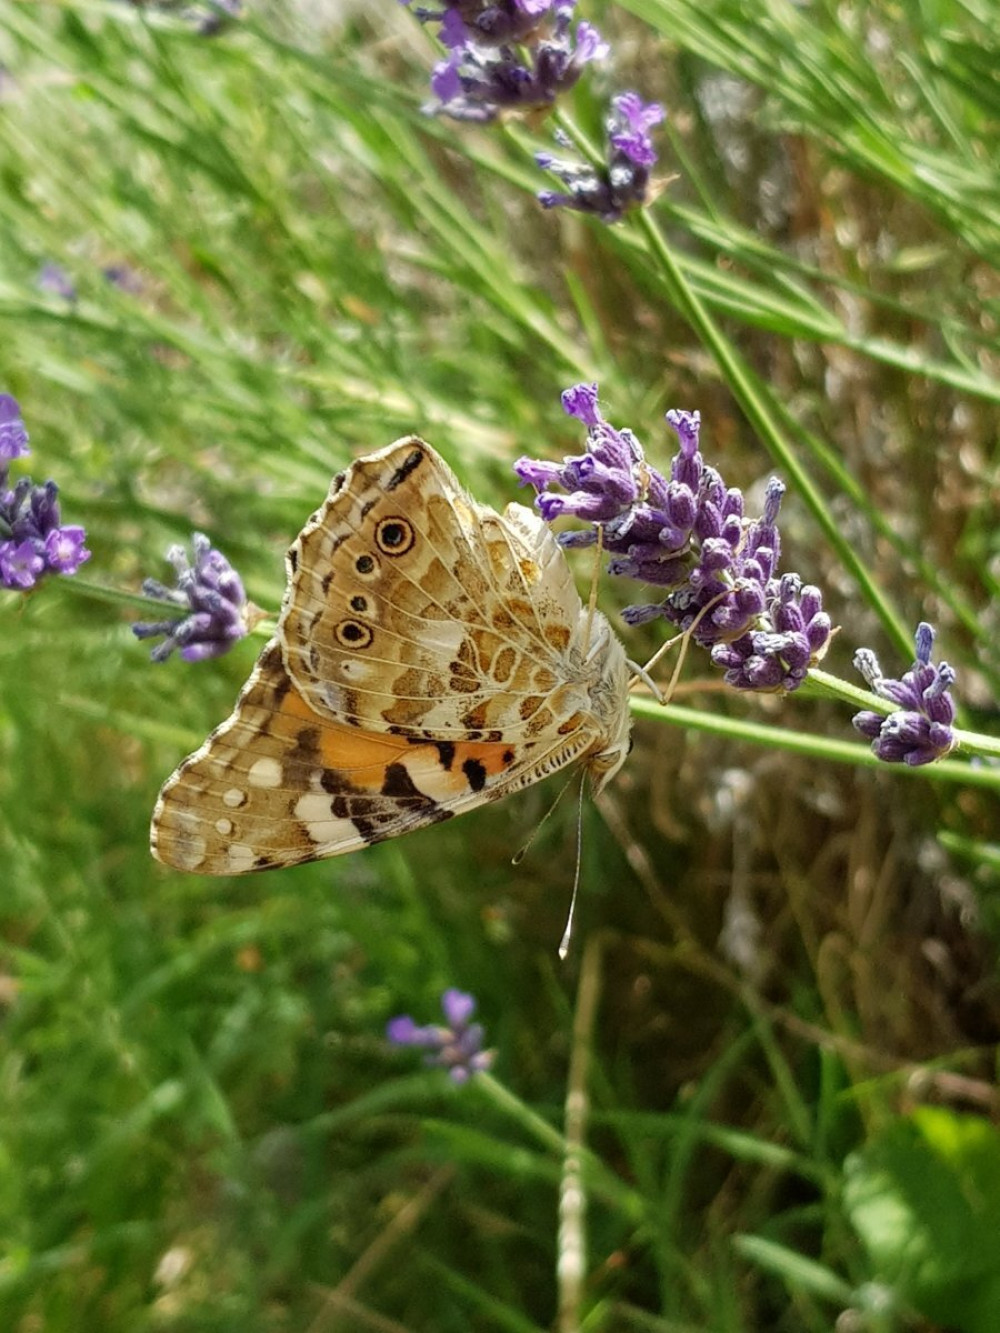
<point>782,1003</point>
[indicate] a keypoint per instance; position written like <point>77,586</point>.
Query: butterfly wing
<point>431,655</point>
<point>278,784</point>
<point>415,611</point>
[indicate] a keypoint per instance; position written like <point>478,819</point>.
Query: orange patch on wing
<point>440,770</point>
<point>363,756</point>
<point>495,756</point>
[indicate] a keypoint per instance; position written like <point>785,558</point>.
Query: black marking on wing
<point>399,785</point>
<point>446,753</point>
<point>408,465</point>
<point>272,667</point>
<point>368,812</point>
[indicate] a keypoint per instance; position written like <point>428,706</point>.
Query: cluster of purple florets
<point>210,593</point>
<point>619,183</point>
<point>457,1046</point>
<point>517,54</point>
<point>33,542</point>
<point>687,533</point>
<point>521,55</point>
<point>920,730</point>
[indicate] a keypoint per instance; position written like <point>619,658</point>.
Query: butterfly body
<point>431,655</point>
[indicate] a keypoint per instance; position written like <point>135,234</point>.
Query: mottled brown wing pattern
<point>431,655</point>
<point>411,609</point>
<point>278,784</point>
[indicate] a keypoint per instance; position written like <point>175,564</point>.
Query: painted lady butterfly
<point>431,655</point>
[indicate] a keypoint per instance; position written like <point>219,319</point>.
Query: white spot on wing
<point>182,845</point>
<point>323,828</point>
<point>265,772</point>
<point>234,798</point>
<point>240,857</point>
<point>224,826</point>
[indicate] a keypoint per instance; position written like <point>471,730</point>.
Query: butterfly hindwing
<point>277,784</point>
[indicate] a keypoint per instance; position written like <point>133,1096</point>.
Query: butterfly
<point>431,655</point>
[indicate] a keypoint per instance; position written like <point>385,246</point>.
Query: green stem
<point>602,1180</point>
<point>823,747</point>
<point>536,1125</point>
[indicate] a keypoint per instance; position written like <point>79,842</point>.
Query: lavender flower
<point>622,182</point>
<point>211,592</point>
<point>457,1047</point>
<point>483,76</point>
<point>32,542</point>
<point>920,731</point>
<point>56,282</point>
<point>687,534</point>
<point>13,436</point>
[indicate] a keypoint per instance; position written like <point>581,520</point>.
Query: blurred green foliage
<point>792,1051</point>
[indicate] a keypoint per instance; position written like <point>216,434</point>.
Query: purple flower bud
<point>920,730</point>
<point>688,428</point>
<point>868,723</point>
<point>573,541</point>
<point>458,1007</point>
<point>446,81</point>
<point>581,402</point>
<point>772,502</point>
<point>590,45</point>
<point>13,436</point>
<point>32,543</point>
<point>630,134</point>
<point>453,33</point>
<point>55,281</point>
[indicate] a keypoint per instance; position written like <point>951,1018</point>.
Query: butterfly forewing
<point>411,609</point>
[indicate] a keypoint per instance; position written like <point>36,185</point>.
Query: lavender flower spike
<point>457,1047</point>
<point>504,57</point>
<point>921,730</point>
<point>32,542</point>
<point>623,181</point>
<point>211,592</point>
<point>687,534</point>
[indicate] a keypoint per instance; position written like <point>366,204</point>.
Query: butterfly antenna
<point>568,932</point>
<point>519,856</point>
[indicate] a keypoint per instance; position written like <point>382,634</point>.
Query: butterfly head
<point>602,767</point>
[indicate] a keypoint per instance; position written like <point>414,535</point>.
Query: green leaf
<point>925,1199</point>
